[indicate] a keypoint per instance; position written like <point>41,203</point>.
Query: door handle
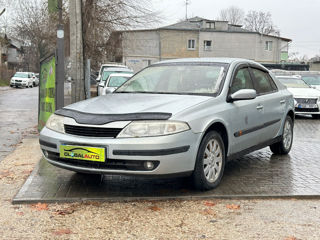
<point>259,107</point>
<point>283,101</point>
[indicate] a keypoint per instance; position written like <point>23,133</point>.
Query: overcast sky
<point>297,20</point>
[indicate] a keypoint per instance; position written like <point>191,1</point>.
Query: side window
<point>241,80</point>
<point>263,82</point>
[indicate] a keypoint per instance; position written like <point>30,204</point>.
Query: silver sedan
<point>176,117</point>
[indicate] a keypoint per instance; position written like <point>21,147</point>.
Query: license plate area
<point>85,153</point>
<point>301,105</point>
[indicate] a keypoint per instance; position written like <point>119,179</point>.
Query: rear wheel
<point>316,116</point>
<point>210,162</point>
<point>285,144</point>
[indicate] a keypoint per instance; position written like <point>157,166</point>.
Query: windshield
<point>117,81</point>
<point>21,75</point>
<point>293,82</point>
<point>179,78</point>
<point>312,79</point>
<point>106,74</point>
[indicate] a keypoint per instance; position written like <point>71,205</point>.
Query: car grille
<point>131,165</point>
<point>307,109</point>
<point>306,100</point>
<point>92,131</point>
<point>18,80</point>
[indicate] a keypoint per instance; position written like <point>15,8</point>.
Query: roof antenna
<point>187,3</point>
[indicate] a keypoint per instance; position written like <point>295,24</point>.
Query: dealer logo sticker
<point>82,153</point>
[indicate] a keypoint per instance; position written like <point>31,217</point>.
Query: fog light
<point>46,154</point>
<point>149,165</point>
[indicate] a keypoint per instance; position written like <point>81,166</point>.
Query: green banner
<point>47,90</point>
<point>53,6</point>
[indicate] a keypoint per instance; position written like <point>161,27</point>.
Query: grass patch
<point>4,83</point>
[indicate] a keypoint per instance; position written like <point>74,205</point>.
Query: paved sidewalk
<point>259,174</point>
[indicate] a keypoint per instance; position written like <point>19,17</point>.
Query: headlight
<point>55,123</point>
<point>152,128</point>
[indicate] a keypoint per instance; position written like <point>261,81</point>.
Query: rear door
<point>272,103</point>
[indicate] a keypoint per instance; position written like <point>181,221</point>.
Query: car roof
<point>117,69</point>
<point>113,65</point>
<point>289,76</point>
<point>120,75</point>
<point>209,60</point>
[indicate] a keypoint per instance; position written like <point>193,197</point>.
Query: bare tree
<point>259,22</point>
<point>102,17</point>
<point>233,15</point>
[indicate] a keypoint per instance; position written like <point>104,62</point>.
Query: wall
<point>140,48</point>
<point>315,66</point>
<point>240,45</point>
<point>174,44</point>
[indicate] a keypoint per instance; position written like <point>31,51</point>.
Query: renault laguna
<point>174,118</point>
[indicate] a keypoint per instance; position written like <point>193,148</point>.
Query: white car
<point>21,79</point>
<point>108,65</point>
<point>307,99</point>
<point>312,79</point>
<point>114,81</point>
<point>106,73</point>
<point>35,79</point>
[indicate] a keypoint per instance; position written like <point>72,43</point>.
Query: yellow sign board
<point>92,154</point>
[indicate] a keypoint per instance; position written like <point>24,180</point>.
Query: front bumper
<point>18,84</point>
<point>172,154</point>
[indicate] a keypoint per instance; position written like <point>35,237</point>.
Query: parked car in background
<point>108,65</point>
<point>35,79</point>
<point>176,117</point>
<point>106,73</point>
<point>312,79</point>
<point>114,81</point>
<point>21,79</point>
<point>307,99</point>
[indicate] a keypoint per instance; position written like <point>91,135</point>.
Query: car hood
<point>316,87</point>
<point>122,103</point>
<point>16,78</point>
<point>304,92</point>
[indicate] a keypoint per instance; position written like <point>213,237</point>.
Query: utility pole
<point>76,51</point>
<point>60,60</point>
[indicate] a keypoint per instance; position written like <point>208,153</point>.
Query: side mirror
<point>242,94</point>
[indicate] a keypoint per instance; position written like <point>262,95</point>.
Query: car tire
<point>285,144</point>
<point>316,116</point>
<point>210,162</point>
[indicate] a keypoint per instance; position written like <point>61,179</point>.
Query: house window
<point>207,44</point>
<point>268,46</point>
<point>209,25</point>
<point>191,44</point>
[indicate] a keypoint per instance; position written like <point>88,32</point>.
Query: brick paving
<point>259,174</point>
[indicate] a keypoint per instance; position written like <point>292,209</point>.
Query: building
<point>315,64</point>
<point>195,37</point>
<point>11,52</point>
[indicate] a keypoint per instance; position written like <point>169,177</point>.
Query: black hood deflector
<point>100,119</point>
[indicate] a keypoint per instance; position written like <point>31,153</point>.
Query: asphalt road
<point>18,116</point>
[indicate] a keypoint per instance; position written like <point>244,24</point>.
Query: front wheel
<point>316,116</point>
<point>285,144</point>
<point>210,162</point>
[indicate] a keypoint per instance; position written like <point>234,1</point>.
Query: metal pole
<point>60,61</point>
<point>87,78</point>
